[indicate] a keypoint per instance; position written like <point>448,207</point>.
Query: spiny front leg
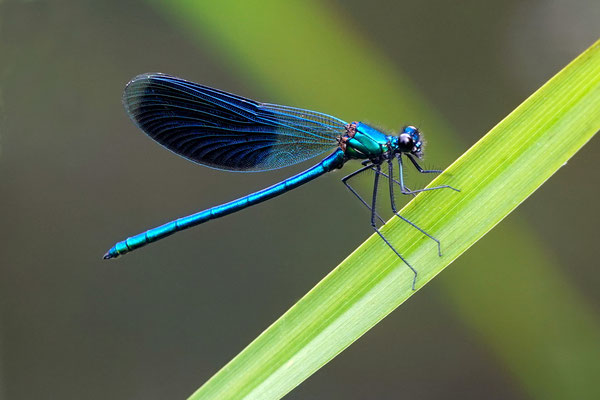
<point>405,190</point>
<point>420,169</point>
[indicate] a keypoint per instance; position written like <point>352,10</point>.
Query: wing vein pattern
<point>225,131</point>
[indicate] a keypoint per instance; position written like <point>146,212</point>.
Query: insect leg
<point>405,190</point>
<point>395,210</point>
<point>355,173</point>
<point>420,169</point>
<point>391,179</point>
<point>374,225</point>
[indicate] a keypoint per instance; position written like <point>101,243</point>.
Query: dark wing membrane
<point>225,131</point>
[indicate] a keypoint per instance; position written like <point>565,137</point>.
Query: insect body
<point>225,131</point>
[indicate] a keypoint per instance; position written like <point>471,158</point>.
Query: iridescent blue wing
<point>225,131</point>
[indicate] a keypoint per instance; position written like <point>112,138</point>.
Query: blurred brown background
<point>76,176</point>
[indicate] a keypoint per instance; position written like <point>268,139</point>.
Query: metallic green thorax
<point>365,142</point>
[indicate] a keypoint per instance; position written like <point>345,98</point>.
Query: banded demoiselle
<point>229,132</point>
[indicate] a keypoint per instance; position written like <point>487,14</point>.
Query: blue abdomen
<point>333,161</point>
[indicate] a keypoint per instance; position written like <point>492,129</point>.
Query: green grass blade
<point>269,44</point>
<point>271,52</point>
<point>529,316</point>
<point>495,175</point>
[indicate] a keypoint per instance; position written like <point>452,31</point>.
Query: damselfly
<point>229,132</point>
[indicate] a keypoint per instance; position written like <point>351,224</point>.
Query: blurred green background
<point>518,316</point>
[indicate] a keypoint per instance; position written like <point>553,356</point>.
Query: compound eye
<point>410,129</point>
<point>405,142</point>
